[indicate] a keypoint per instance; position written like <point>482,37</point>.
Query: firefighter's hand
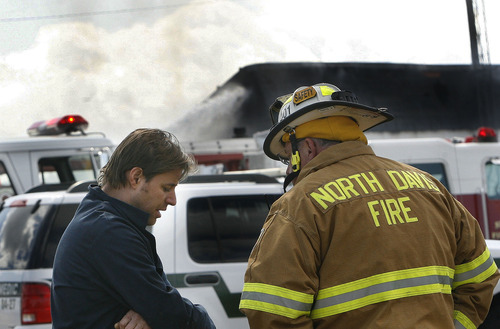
<point>132,320</point>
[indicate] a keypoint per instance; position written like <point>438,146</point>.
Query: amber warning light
<point>57,126</point>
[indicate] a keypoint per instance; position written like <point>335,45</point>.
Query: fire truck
<point>55,154</point>
<point>468,167</point>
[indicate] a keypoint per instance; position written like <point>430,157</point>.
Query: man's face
<point>156,194</point>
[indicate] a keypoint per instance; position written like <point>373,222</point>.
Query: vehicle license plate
<point>10,296</point>
<point>9,304</point>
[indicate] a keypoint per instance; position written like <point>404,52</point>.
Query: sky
<point>127,64</point>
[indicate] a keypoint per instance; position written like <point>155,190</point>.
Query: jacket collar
<point>334,154</point>
<point>130,213</point>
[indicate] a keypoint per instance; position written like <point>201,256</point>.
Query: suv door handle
<point>202,279</point>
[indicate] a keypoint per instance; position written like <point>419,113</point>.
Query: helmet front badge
<point>303,95</point>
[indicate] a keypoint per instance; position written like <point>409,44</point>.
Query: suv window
<point>224,229</point>
<point>492,169</point>
<point>64,214</point>
<point>6,188</point>
<point>57,170</point>
<point>29,234</point>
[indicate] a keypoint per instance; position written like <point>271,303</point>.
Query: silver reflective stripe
<point>381,288</point>
<point>458,325</point>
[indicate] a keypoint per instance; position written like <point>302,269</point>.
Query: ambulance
<point>55,154</point>
<point>469,167</point>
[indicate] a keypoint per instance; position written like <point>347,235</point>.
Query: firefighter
<point>360,241</point>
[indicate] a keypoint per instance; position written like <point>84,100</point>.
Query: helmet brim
<point>367,117</point>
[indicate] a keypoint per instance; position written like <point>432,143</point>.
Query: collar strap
<point>295,160</point>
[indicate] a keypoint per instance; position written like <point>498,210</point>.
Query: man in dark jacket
<point>106,269</point>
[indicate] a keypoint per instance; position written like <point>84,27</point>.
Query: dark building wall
<point>421,97</point>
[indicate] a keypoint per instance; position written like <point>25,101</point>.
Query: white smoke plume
<point>142,76</point>
<point>151,75</point>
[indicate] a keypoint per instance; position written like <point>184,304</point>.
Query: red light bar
<point>62,125</point>
<point>483,135</point>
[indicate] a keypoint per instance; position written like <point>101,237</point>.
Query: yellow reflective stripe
<point>278,291</point>
<point>462,321</point>
<point>275,300</point>
<point>271,308</point>
<point>382,287</point>
<point>462,268</point>
<point>475,271</point>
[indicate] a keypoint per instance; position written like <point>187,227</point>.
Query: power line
<point>92,13</point>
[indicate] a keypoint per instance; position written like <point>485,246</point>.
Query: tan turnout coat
<point>365,242</point>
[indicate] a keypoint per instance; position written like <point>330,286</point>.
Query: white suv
<point>204,243</point>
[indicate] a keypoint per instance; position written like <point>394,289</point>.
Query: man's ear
<point>134,175</point>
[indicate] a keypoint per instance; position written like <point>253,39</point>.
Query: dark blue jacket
<point>106,264</point>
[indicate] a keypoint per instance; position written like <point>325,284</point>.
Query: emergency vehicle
<point>203,242</point>
<point>469,167</point>
<point>56,153</point>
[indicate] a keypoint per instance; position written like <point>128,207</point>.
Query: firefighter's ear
<point>311,148</point>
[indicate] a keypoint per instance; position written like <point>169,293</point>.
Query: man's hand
<point>132,320</point>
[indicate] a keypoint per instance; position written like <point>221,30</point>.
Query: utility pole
<point>482,71</point>
<point>477,32</point>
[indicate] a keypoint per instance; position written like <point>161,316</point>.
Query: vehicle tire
<point>493,319</point>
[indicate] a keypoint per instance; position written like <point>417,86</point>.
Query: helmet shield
<point>315,102</point>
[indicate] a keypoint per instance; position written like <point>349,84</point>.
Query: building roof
<point>421,97</point>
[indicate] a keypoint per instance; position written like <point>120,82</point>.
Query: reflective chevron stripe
<point>230,300</point>
<point>382,287</point>
<point>349,296</point>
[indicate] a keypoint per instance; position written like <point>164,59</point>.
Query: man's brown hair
<point>155,151</point>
